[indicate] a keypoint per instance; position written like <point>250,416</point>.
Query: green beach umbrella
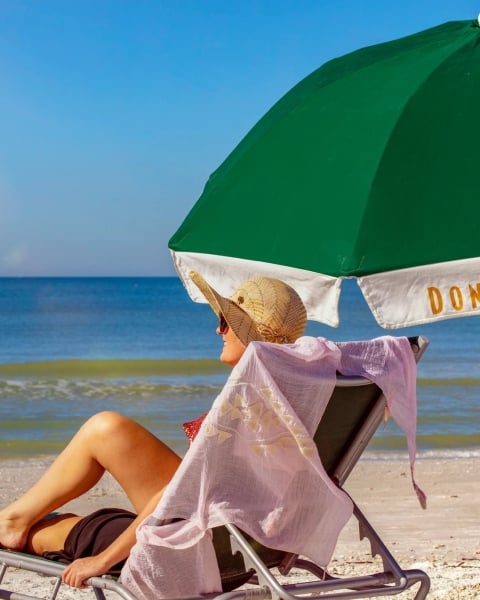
<point>367,168</point>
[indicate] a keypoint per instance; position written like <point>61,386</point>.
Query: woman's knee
<point>107,423</point>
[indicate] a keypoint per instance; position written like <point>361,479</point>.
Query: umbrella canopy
<point>368,168</point>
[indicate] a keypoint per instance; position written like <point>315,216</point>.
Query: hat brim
<point>239,321</point>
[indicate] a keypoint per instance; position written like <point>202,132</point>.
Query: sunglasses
<point>222,324</point>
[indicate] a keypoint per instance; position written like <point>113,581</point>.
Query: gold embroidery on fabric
<point>258,418</point>
<point>277,405</point>
<point>270,419</point>
<point>266,393</point>
<point>261,449</point>
<point>256,410</point>
<point>297,431</point>
<point>222,436</point>
<point>234,408</point>
<point>251,425</point>
<point>308,452</point>
<point>274,448</point>
<point>211,431</point>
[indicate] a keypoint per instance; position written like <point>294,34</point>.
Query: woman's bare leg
<point>108,441</point>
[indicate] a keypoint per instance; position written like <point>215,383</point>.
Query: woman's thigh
<point>140,462</point>
<point>51,532</point>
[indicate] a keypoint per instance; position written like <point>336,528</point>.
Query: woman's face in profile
<point>233,348</point>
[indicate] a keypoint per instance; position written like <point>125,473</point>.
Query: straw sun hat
<point>261,309</point>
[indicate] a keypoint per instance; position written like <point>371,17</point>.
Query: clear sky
<point>113,113</point>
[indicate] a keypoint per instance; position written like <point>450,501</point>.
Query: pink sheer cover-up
<point>254,463</point>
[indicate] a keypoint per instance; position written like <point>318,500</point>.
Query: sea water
<point>70,347</point>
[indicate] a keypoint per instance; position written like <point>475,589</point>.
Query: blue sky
<point>113,113</point>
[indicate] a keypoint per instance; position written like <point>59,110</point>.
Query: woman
<point>261,309</point>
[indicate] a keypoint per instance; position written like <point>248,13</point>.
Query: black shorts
<point>93,534</point>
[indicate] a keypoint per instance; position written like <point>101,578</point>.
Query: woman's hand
<point>81,569</point>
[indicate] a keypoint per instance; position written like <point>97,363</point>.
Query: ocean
<point>71,347</point>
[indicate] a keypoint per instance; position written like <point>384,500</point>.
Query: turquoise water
<point>72,347</point>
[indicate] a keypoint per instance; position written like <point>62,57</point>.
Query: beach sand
<point>443,540</point>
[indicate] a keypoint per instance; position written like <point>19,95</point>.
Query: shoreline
<point>371,454</point>
<point>443,540</point>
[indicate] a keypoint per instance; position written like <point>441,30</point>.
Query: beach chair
<point>249,570</point>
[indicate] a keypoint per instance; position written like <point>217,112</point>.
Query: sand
<point>443,540</point>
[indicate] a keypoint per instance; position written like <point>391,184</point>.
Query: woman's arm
<point>83,568</point>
